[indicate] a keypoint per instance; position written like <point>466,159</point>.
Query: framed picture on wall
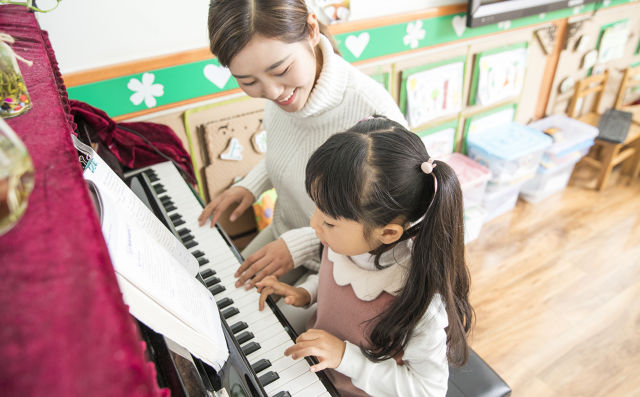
<point>483,121</point>
<point>440,140</point>
<point>613,40</point>
<point>432,91</point>
<point>498,74</point>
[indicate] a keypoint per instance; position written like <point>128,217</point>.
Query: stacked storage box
<point>473,179</point>
<point>571,141</point>
<point>512,152</point>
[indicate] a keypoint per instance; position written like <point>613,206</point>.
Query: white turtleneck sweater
<point>341,97</point>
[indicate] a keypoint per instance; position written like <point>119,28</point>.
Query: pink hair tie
<point>428,166</point>
<point>366,118</point>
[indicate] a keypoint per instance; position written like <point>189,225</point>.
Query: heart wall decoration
<point>218,75</point>
<point>357,44</point>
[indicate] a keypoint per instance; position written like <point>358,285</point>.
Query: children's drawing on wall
<point>440,143</point>
<point>500,75</point>
<point>613,41</point>
<point>492,119</point>
<point>434,93</point>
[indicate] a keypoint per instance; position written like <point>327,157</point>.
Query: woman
<point>275,49</point>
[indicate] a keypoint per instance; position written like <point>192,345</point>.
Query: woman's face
<point>284,73</point>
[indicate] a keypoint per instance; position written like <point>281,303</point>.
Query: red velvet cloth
<point>131,149</point>
<point>64,329</point>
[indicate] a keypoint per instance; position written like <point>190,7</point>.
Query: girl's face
<point>343,236</point>
<point>284,73</point>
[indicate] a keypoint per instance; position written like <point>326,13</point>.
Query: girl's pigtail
<point>438,252</point>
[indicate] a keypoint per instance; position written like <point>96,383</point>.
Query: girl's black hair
<point>371,174</point>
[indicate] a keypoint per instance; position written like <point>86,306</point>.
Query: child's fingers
<point>264,293</point>
<point>322,364</point>
<point>308,335</point>
<point>303,349</point>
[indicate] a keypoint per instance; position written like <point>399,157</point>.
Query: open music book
<point>155,272</point>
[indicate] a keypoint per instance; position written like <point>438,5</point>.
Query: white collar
<point>366,281</point>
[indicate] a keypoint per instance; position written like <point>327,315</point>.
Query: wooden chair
<point>604,155</point>
<point>631,79</point>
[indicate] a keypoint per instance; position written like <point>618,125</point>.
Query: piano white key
<point>271,349</point>
<point>301,382</point>
<point>316,389</point>
<point>286,375</point>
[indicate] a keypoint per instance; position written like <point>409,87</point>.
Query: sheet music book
<point>155,273</point>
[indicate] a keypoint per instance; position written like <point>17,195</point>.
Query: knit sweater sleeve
<point>304,247</point>
<point>424,370</point>
<point>257,180</point>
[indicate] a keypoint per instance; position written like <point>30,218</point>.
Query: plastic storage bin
<point>472,175</point>
<point>499,199</point>
<point>569,137</point>
<point>473,220</point>
<point>511,151</point>
<point>547,182</point>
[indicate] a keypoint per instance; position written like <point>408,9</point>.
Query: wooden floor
<point>556,291</point>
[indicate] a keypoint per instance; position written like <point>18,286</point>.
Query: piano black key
<point>197,253</point>
<point>239,326</point>
<point>222,303</point>
<point>165,198</point>
<point>159,188</point>
<point>210,282</point>
<point>170,208</point>
<point>283,393</point>
<point>149,171</point>
<point>175,217</point>
<point>230,312</point>
<point>184,231</point>
<point>216,289</point>
<point>179,222</point>
<point>191,244</point>
<point>244,337</point>
<point>154,178</point>
<point>260,365</point>
<point>203,261</point>
<point>207,273</point>
<point>250,348</point>
<point>269,377</point>
<point>168,203</point>
<point>187,238</point>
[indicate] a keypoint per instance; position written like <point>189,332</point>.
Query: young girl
<point>392,292</point>
<point>275,50</point>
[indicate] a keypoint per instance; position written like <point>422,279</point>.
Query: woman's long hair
<point>372,174</point>
<point>233,23</point>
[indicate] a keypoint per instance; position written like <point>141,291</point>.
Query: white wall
<point>86,34</point>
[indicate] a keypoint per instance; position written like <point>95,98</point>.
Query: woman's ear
<point>314,29</point>
<point>390,233</point>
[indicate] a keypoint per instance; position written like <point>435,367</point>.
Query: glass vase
<point>16,177</point>
<point>14,98</point>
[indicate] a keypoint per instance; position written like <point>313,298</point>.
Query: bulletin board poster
<point>432,91</point>
<point>440,140</point>
<point>498,74</point>
<point>613,41</point>
<point>487,120</point>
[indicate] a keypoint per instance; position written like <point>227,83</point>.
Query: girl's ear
<point>390,233</point>
<point>314,29</point>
